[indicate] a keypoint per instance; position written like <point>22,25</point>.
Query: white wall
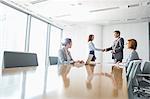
<point>79,35</point>
<point>138,31</point>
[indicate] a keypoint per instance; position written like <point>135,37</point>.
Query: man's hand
<point>113,51</point>
<point>103,50</point>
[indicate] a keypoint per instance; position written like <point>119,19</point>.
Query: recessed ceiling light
<point>80,3</point>
<point>50,17</point>
<point>76,4</point>
<point>72,4</point>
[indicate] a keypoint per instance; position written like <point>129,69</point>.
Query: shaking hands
<point>103,50</point>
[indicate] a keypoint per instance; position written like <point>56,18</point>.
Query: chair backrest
<point>130,66</point>
<point>136,65</point>
<point>19,59</point>
<point>53,60</point>
<point>146,68</point>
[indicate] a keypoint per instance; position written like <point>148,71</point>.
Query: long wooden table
<point>106,82</point>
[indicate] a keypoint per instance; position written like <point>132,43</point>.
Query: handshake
<point>103,50</point>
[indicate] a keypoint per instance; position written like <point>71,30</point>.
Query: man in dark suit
<point>117,47</point>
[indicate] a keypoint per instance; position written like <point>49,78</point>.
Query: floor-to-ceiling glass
<point>55,39</point>
<point>12,38</point>
<point>37,45</point>
<point>12,29</point>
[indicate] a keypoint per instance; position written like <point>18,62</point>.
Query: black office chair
<point>142,88</point>
<point>131,77</point>
<point>131,67</point>
<point>53,60</point>
<point>19,59</point>
<point>128,69</point>
<point>133,71</point>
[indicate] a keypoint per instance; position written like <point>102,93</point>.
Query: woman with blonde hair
<point>66,60</point>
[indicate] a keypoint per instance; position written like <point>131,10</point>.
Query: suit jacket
<point>63,57</point>
<point>132,56</point>
<point>118,46</point>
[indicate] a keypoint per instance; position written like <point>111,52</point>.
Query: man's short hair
<point>117,31</point>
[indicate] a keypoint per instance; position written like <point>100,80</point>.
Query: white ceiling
<point>91,11</point>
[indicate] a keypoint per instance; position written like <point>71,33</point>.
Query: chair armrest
<point>146,80</point>
<point>145,75</point>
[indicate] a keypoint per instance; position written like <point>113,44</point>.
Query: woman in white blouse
<point>92,50</point>
<point>92,47</point>
<point>90,67</point>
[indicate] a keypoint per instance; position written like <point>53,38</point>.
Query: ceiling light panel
<point>145,18</point>
<point>37,1</point>
<point>131,19</point>
<point>133,5</point>
<point>104,9</point>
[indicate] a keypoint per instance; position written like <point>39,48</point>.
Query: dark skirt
<point>93,53</point>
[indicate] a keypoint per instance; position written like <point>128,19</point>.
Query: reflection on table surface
<point>102,81</point>
<point>17,70</point>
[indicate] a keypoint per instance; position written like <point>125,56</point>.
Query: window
<point>55,39</point>
<point>12,38</point>
<point>37,45</point>
<point>12,31</point>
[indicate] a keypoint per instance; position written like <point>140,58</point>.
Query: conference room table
<point>106,82</point>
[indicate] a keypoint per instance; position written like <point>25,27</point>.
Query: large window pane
<point>12,38</point>
<point>12,29</point>
<point>38,39</point>
<point>37,45</point>
<point>55,38</point>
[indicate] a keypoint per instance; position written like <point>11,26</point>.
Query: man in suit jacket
<point>117,47</point>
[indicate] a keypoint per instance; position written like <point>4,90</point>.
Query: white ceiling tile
<point>104,11</point>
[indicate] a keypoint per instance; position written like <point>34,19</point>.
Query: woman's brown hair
<point>90,37</point>
<point>132,43</point>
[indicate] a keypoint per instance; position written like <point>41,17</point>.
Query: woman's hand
<point>79,61</point>
<point>82,62</point>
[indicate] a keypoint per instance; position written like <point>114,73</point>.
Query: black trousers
<point>93,53</point>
